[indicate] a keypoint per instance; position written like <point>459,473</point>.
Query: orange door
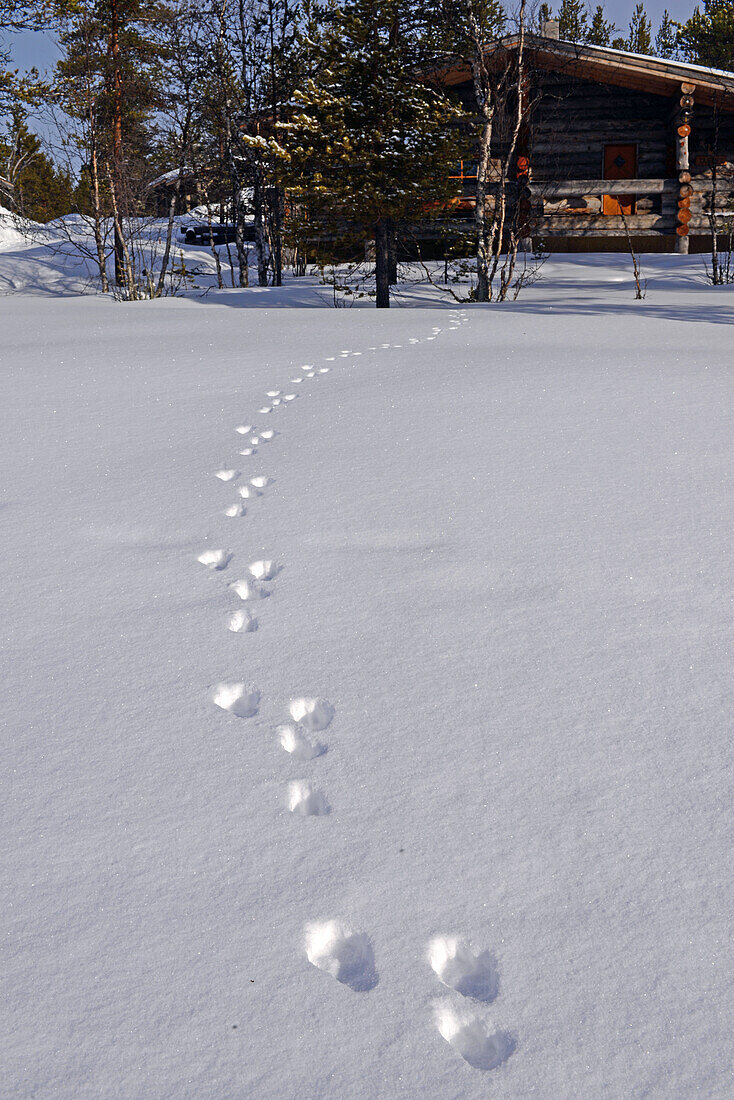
<point>620,163</point>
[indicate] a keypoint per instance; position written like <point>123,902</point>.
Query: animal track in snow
<point>248,491</point>
<point>312,714</point>
<point>276,402</point>
<point>268,434</point>
<point>309,374</point>
<point>247,451</point>
<point>249,590</point>
<point>473,974</point>
<point>414,340</point>
<point>347,955</point>
<point>237,699</point>
<point>235,511</point>
<point>324,370</point>
<point>292,396</point>
<point>242,622</point>
<point>265,410</point>
<point>215,559</point>
<point>261,481</point>
<point>264,570</point>
<point>273,393</point>
<point>296,380</point>
<point>304,799</point>
<point>329,358</point>
<point>294,740</point>
<point>243,429</point>
<point>227,475</point>
<point>470,1036</point>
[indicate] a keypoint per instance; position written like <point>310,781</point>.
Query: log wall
<point>571,122</point>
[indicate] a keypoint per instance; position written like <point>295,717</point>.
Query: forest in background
<point>275,112</point>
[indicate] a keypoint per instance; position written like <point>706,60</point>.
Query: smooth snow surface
<point>454,821</point>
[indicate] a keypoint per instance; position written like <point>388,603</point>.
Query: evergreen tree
<point>368,146</point>
<point>640,36</point>
<point>40,191</point>
<point>107,79</point>
<point>708,36</point>
<point>573,21</point>
<point>666,40</point>
<point>600,29</point>
<point>545,13</point>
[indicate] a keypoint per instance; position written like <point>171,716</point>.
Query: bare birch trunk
<point>97,214</point>
<point>114,47</point>
<point>484,95</point>
<point>382,265</point>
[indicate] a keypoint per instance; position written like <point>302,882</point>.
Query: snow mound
<point>249,590</point>
<point>264,570</point>
<point>469,1035</point>
<point>304,800</point>
<point>314,714</point>
<point>215,559</point>
<point>242,622</point>
<point>460,968</point>
<point>347,955</point>
<point>238,699</point>
<point>301,747</point>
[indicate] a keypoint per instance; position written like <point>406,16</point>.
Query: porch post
<point>682,134</point>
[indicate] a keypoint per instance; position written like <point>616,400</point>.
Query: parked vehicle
<point>218,233</point>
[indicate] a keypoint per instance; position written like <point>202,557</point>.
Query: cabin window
<point>620,163</point>
<point>464,170</point>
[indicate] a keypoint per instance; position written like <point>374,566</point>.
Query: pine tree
<point>600,29</point>
<point>573,21</point>
<point>544,13</point>
<point>368,145</point>
<point>107,79</point>
<point>40,191</point>
<point>640,36</point>
<point>666,40</point>
<point>708,36</point>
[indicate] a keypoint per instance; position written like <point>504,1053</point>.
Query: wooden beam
<point>601,223</point>
<point>554,188</point>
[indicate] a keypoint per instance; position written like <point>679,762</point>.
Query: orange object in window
<point>620,163</point>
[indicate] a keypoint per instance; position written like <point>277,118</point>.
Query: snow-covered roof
<point>609,65</point>
<point>170,177</point>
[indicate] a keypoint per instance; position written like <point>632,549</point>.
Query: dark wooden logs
<point>553,189</point>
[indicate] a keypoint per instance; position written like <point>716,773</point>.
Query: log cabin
<point>612,144</point>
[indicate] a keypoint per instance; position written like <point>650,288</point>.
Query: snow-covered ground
<point>495,543</point>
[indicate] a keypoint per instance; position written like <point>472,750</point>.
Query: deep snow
<point>474,837</point>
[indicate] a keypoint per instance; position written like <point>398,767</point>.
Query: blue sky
<point>40,50</point>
